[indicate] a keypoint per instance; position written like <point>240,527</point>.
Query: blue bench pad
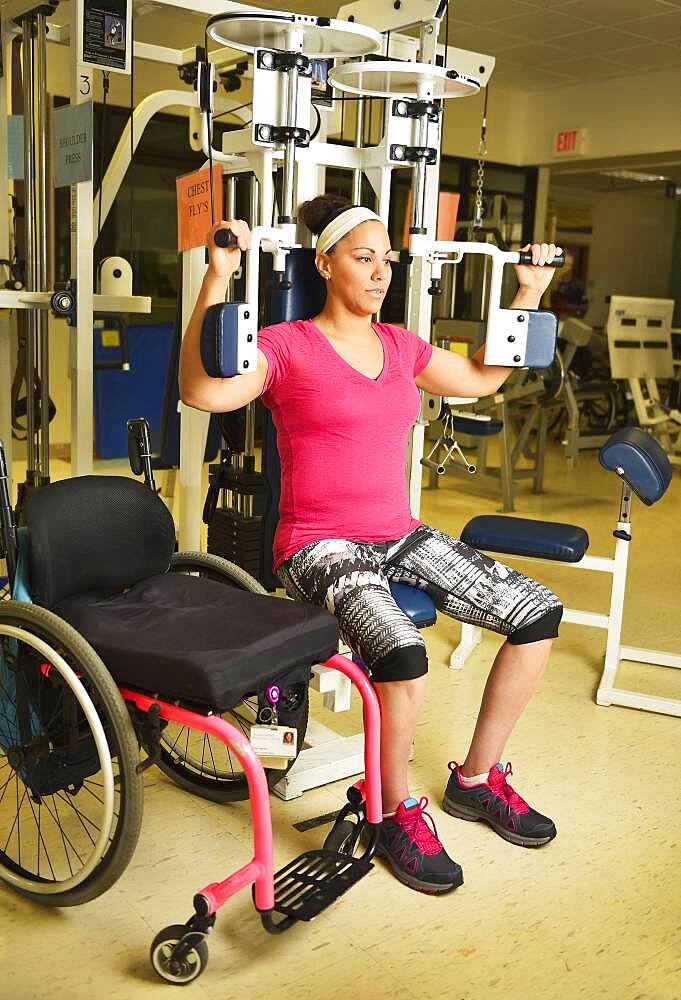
<point>522,536</point>
<point>416,604</point>
<point>478,428</point>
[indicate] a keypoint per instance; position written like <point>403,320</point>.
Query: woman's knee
<point>406,663</point>
<point>544,627</point>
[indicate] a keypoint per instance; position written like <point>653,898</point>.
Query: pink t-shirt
<point>342,437</point>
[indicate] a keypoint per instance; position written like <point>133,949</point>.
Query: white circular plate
<point>402,79</point>
<point>272,30</point>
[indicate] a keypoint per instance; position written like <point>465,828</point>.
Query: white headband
<point>341,226</point>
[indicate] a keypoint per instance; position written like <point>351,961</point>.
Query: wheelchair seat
<point>100,550</point>
<point>197,640</point>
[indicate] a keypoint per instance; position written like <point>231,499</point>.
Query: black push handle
<point>224,238</point>
<point>526,258</point>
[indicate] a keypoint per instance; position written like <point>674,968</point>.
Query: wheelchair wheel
<point>200,763</point>
<point>342,838</point>
<point>70,795</point>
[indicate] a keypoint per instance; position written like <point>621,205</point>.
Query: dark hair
<point>318,212</point>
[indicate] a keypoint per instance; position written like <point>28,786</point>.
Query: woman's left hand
<point>535,276</point>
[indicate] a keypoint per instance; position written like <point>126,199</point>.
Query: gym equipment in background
<point>639,461</point>
<point>640,345</point>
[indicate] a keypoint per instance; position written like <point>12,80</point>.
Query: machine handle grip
<point>525,257</point>
<point>224,238</point>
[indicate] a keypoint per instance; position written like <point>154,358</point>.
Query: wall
<point>631,245</point>
<point>625,116</point>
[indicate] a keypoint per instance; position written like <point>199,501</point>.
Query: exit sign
<point>569,142</point>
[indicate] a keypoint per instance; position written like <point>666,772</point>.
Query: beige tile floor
<point>596,914</point>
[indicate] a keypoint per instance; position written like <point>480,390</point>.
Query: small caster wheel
<point>342,837</point>
<point>184,970</point>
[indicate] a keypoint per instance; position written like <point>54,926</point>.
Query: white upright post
<point>419,302</point>
<point>82,243</point>
<point>193,423</point>
<point>612,649</point>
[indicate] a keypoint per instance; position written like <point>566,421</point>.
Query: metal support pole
<point>6,318</point>
<point>289,147</point>
<point>357,173</point>
<point>82,242</point>
<point>41,224</point>
<point>418,186</point>
<point>28,27</point>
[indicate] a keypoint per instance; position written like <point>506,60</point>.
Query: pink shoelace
<point>500,786</point>
<point>413,822</point>
<point>496,780</point>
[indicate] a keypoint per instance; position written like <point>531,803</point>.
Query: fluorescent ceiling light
<point>634,175</point>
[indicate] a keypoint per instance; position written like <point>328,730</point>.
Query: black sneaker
<point>414,852</point>
<point>495,802</point>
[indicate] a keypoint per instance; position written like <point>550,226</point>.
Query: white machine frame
<point>615,652</point>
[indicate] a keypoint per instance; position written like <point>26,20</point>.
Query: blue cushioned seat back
<point>639,460</point>
<point>97,535</point>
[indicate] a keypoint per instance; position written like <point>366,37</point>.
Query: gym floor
<point>593,915</point>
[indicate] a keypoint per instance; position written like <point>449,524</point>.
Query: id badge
<point>274,741</point>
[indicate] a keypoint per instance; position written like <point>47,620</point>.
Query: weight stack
<point>239,539</point>
<point>236,527</point>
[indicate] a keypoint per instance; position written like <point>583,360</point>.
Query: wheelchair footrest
<point>311,882</point>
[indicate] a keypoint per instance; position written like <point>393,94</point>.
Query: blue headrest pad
<point>640,461</point>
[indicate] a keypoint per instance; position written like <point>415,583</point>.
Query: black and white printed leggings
<point>351,580</point>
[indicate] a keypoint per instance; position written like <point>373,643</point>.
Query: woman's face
<point>357,271</point>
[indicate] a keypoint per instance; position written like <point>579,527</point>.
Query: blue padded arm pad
<point>522,536</point>
<point>229,339</point>
<point>219,343</point>
<point>640,461</point>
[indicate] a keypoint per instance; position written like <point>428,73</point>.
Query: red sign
<point>194,218</point>
<point>569,141</point>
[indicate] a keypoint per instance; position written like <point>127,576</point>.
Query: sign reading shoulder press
<point>72,144</point>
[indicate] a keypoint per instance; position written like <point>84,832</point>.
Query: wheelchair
<point>111,642</point>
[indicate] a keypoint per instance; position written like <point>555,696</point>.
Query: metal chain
<point>482,154</point>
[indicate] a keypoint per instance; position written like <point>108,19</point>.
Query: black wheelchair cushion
<point>521,536</point>
<point>478,428</point>
<point>96,534</point>
<point>638,459</point>
<point>184,637</point>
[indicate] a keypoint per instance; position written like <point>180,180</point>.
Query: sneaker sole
<point>472,815</point>
<point>429,888</point>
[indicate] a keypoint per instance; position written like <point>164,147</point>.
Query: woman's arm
<point>197,389</point>
<point>449,374</point>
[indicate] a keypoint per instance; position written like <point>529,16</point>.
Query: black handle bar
<point>526,258</point>
<point>224,238</point>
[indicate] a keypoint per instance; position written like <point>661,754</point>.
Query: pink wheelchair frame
<point>307,885</point>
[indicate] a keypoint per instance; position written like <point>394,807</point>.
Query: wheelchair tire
<point>70,752</point>
<point>206,768</point>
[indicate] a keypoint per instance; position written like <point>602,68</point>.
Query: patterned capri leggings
<point>351,580</point>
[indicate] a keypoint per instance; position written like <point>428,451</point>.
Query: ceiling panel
<point>539,44</point>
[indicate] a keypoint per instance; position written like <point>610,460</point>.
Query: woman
<point>343,392</point>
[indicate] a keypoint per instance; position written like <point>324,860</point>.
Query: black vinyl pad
<point>184,637</point>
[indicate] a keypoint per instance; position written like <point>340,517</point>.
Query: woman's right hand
<point>223,262</point>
